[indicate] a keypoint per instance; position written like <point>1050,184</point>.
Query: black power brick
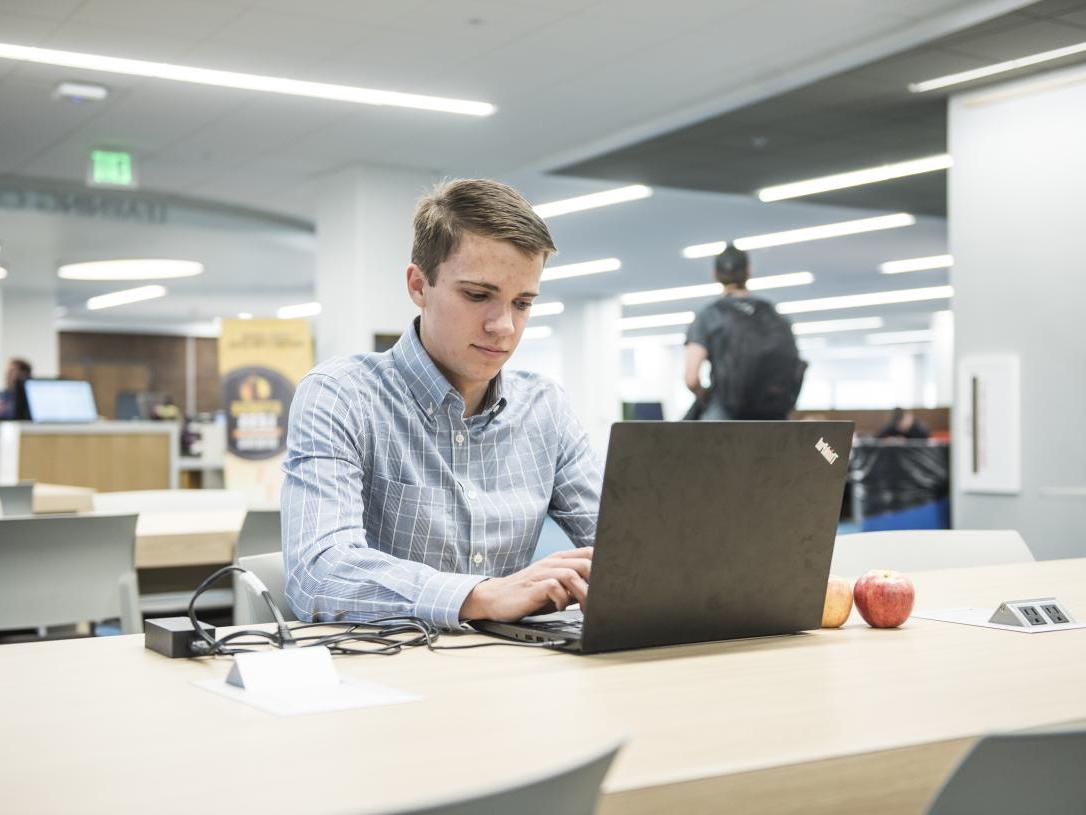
<point>173,636</point>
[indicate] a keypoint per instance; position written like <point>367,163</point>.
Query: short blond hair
<point>480,206</point>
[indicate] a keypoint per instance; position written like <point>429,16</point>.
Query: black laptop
<point>707,531</point>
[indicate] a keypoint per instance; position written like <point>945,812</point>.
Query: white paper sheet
<point>980,617</point>
<point>299,701</point>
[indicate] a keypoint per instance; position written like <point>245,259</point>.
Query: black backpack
<point>757,372</point>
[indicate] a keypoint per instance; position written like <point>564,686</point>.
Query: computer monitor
<point>60,400</point>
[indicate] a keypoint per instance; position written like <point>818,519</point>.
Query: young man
<point>417,480</point>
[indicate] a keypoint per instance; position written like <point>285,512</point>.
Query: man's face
<point>474,314</point>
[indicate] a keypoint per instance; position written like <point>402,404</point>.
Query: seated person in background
<point>13,404</point>
<point>904,425</point>
<point>418,479</point>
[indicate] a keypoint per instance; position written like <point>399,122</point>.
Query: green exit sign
<point>112,168</point>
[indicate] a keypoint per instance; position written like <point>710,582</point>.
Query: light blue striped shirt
<point>395,504</point>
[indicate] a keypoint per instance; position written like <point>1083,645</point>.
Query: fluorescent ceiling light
<point>580,269</point>
<point>635,298</point>
<point>135,269</point>
<point>895,337</point>
<point>537,332</point>
<point>122,298</point>
<point>597,199</point>
<point>916,264</point>
<point>3,272</point>
<point>810,233</point>
<point>656,320</point>
<point>833,326</point>
<point>247,82</point>
<point>997,68</point>
<point>652,340</point>
<point>879,298</point>
<point>855,178</point>
<point>298,310</point>
<point>245,315</point>
<point>547,309</point>
<point>80,92</point>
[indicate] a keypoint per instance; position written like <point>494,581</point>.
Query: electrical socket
<point>1055,614</point>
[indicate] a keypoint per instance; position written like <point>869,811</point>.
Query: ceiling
<point>862,117</point>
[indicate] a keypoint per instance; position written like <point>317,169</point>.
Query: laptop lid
<point>714,530</point>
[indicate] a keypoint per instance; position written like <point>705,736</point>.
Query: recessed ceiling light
<point>80,92</point>
<point>879,298</point>
<point>635,298</point>
<point>833,326</point>
<point>580,269</point>
<point>810,233</point>
<point>656,320</point>
<point>855,178</point>
<point>126,296</point>
<point>547,309</point>
<point>537,332</point>
<point>895,337</point>
<point>3,272</point>
<point>618,195</point>
<point>298,310</point>
<point>916,264</point>
<point>248,82</point>
<point>134,269</point>
<point>997,68</point>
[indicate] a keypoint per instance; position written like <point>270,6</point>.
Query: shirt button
<point>471,495</point>
<point>459,438</point>
<point>478,558</point>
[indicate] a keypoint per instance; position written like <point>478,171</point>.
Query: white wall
<point>28,330</point>
<point>1017,213</point>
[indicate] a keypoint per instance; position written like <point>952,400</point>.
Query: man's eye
<point>475,297</point>
<point>523,305</point>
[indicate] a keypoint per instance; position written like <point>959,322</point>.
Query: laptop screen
<point>60,400</point>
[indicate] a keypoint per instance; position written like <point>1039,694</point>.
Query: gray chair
<point>1013,773</point>
<point>17,499</point>
<point>56,570</point>
<point>249,607</point>
<point>572,787</point>
<point>924,549</point>
<point>261,533</point>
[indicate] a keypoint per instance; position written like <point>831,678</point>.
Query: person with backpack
<point>756,369</point>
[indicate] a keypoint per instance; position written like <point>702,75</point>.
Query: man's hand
<point>552,583</point>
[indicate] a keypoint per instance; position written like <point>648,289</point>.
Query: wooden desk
<point>165,539</point>
<point>850,720</point>
<point>59,498</point>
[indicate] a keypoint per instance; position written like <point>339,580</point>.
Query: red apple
<point>884,598</point>
<point>838,602</point>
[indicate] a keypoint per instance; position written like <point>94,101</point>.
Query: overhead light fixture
<point>537,332</point>
<point>879,298</point>
<point>619,195</point>
<point>245,315</point>
<point>3,272</point>
<point>656,320</point>
<point>833,326</point>
<point>652,340</point>
<point>895,337</point>
<point>80,92</point>
<point>547,309</point>
<point>916,264</point>
<point>855,178</point>
<point>810,233</point>
<point>298,310</point>
<point>997,68</point>
<point>240,81</point>
<point>580,269</point>
<point>635,298</point>
<point>134,269</point>
<point>126,296</point>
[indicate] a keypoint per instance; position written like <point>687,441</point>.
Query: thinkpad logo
<point>827,452</point>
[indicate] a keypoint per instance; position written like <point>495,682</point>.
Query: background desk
<point>850,720</point>
<point>169,539</point>
<point>60,498</point>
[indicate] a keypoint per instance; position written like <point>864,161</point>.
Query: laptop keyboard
<point>561,626</point>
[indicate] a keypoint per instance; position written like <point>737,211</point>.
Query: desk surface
<point>848,720</point>
<point>59,498</point>
<point>166,539</point>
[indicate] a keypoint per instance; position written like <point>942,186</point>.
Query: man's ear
<point>417,285</point>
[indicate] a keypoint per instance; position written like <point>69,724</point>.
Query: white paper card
<point>284,668</point>
<point>980,617</point>
<point>313,699</point>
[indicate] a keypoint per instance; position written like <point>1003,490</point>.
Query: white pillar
<point>364,235</point>
<point>589,331</point>
<point>28,330</point>
<point>942,352</point>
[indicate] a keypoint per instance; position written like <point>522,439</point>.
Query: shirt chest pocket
<point>411,521</point>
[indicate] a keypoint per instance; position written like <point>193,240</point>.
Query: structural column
<point>589,332</point>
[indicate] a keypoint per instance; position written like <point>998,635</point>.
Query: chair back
<point>572,788</point>
<point>1012,773</point>
<point>260,533</point>
<point>925,549</point>
<point>62,569</point>
<point>249,607</point>
<point>169,500</point>
<point>17,499</point>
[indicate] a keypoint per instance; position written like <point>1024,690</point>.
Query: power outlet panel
<point>1035,613</point>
